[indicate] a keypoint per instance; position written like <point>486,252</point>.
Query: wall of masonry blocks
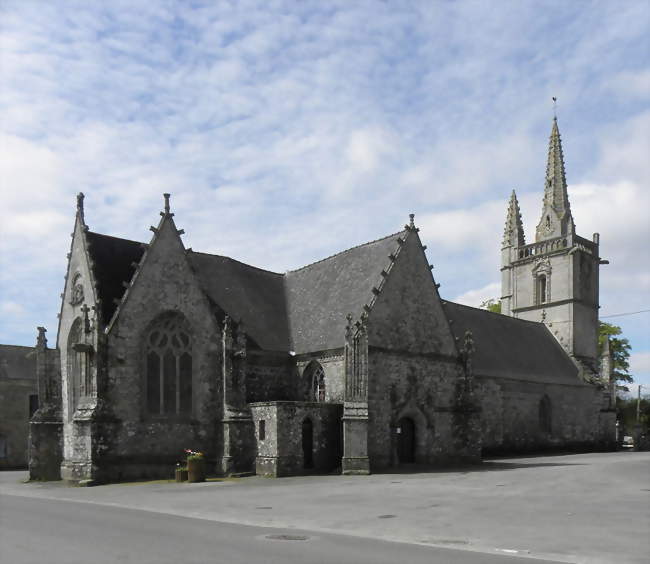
<point>280,452</point>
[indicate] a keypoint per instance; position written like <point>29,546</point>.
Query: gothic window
<point>545,419</point>
<point>541,289</point>
<point>314,378</point>
<point>169,367</point>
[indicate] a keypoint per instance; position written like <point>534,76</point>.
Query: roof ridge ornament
<point>80,207</point>
<point>41,339</point>
<point>167,212</point>
<point>410,226</point>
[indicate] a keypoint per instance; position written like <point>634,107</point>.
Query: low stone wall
<point>45,450</point>
<point>288,434</point>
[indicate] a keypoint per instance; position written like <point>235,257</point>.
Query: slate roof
<point>320,295</point>
<point>302,310</point>
<point>113,260</point>
<point>17,362</point>
<point>512,348</point>
<point>248,293</point>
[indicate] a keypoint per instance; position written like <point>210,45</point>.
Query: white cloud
<point>640,363</point>
<point>630,84</point>
<point>288,132</point>
<point>476,297</point>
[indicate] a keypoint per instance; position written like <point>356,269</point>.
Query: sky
<point>289,131</point>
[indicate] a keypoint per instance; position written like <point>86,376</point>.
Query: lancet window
<point>545,418</point>
<point>541,289</point>
<point>169,367</point>
<point>314,378</point>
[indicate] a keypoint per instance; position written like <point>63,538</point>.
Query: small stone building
<point>18,402</point>
<point>351,364</point>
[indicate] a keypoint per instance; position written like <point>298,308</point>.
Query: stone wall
<point>407,315</point>
<point>414,369</point>
<point>136,443</point>
<point>271,377</point>
<point>17,385</point>
<point>511,416</point>
<point>280,448</point>
<point>423,390</point>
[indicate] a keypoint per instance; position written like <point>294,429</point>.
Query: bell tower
<point>555,279</point>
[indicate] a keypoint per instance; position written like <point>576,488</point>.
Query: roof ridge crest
<point>237,261</point>
<point>115,237</point>
<point>495,313</point>
<point>345,251</point>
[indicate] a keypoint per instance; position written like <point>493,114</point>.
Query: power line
<point>623,314</point>
<point>553,321</point>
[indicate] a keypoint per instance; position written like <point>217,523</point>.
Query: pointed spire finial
<point>80,205</point>
<point>513,234</point>
<point>555,108</point>
<point>556,217</point>
<point>166,196</point>
<point>412,220</point>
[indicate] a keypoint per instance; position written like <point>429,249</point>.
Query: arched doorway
<point>406,440</point>
<point>308,443</point>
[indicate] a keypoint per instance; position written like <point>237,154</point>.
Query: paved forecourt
<point>571,508</point>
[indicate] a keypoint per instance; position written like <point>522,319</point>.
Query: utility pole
<point>637,434</point>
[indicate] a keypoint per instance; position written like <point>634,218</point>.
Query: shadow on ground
<point>485,466</point>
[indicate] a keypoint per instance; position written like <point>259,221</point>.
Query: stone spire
<point>556,217</point>
<point>513,234</point>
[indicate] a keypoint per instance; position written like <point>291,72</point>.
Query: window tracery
<point>169,367</point>
<point>315,379</point>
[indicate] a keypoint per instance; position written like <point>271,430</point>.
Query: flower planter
<point>195,470</point>
<point>181,474</point>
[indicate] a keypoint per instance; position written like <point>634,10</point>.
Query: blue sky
<point>287,131</point>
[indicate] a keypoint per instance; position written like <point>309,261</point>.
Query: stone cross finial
<point>166,196</point>
<point>85,309</point>
<point>80,205</point>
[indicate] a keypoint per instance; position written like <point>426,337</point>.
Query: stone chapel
<point>351,364</point>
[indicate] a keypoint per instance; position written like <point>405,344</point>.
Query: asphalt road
<point>49,531</point>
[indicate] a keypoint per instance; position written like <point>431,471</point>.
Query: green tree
<point>491,305</point>
<point>620,349</point>
<point>626,407</point>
